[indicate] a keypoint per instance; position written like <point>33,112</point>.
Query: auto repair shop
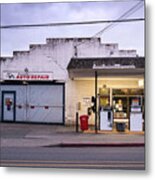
<point>50,82</point>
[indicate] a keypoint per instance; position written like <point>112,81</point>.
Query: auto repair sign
<point>8,75</point>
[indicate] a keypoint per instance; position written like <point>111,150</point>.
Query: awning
<point>112,66</point>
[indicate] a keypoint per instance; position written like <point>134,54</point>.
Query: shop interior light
<point>108,78</point>
<point>141,83</point>
<point>25,82</point>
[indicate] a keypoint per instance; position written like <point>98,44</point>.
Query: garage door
<point>46,103</point>
<point>37,103</point>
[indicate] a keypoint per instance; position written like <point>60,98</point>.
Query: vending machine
<point>105,110</point>
<point>136,117</point>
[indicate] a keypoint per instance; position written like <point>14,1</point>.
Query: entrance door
<point>8,106</point>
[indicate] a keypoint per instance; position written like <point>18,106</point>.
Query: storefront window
<point>120,107</point>
<point>122,100</point>
<point>104,97</point>
<point>120,91</point>
<point>136,91</point>
<point>125,91</point>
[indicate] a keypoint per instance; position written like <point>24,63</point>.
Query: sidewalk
<point>36,135</point>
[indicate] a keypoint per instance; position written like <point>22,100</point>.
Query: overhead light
<point>141,83</point>
<point>25,82</point>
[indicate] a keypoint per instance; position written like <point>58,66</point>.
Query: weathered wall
<point>55,55</point>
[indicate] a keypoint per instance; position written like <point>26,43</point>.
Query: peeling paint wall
<point>55,55</point>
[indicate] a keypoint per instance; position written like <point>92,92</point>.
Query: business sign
<point>115,66</point>
<point>28,76</point>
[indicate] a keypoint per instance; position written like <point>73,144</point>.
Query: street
<point>100,158</point>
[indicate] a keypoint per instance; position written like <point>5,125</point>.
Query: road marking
<point>77,165</point>
<point>73,161</point>
<point>74,164</point>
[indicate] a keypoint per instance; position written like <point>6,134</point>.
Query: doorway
<point>8,106</point>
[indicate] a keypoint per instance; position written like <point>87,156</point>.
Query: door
<point>46,104</point>
<point>20,101</point>
<point>8,106</point>
<point>33,103</point>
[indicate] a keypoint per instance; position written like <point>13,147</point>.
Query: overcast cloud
<point>128,35</point>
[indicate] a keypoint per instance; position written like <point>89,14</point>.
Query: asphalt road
<point>96,158</point>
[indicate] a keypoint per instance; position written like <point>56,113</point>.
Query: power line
<point>119,1</point>
<point>71,23</point>
<point>125,15</point>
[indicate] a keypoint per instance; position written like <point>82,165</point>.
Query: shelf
<point>121,120</point>
<point>126,95</point>
<point>104,96</point>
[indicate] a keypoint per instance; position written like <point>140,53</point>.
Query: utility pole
<point>96,75</point>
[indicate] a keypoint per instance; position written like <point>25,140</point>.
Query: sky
<point>127,35</point>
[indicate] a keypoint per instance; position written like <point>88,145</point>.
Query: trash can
<point>120,126</point>
<point>84,122</point>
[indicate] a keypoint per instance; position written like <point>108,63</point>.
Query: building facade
<point>52,81</point>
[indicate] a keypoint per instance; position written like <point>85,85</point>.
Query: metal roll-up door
<point>46,103</point>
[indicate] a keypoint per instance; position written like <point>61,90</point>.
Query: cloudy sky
<point>128,35</point>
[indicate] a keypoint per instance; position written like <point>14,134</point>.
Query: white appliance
<point>136,118</point>
<point>136,123</point>
<point>106,120</point>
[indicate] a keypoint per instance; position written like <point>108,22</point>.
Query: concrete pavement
<point>36,135</point>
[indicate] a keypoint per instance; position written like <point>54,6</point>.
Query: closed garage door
<point>46,103</point>
<point>38,103</point>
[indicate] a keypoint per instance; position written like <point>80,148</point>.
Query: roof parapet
<point>73,39</point>
<point>6,58</point>
<point>36,46</point>
<point>20,53</point>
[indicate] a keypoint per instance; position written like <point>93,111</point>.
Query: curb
<point>97,145</point>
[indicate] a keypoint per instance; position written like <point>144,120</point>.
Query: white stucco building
<point>52,81</point>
